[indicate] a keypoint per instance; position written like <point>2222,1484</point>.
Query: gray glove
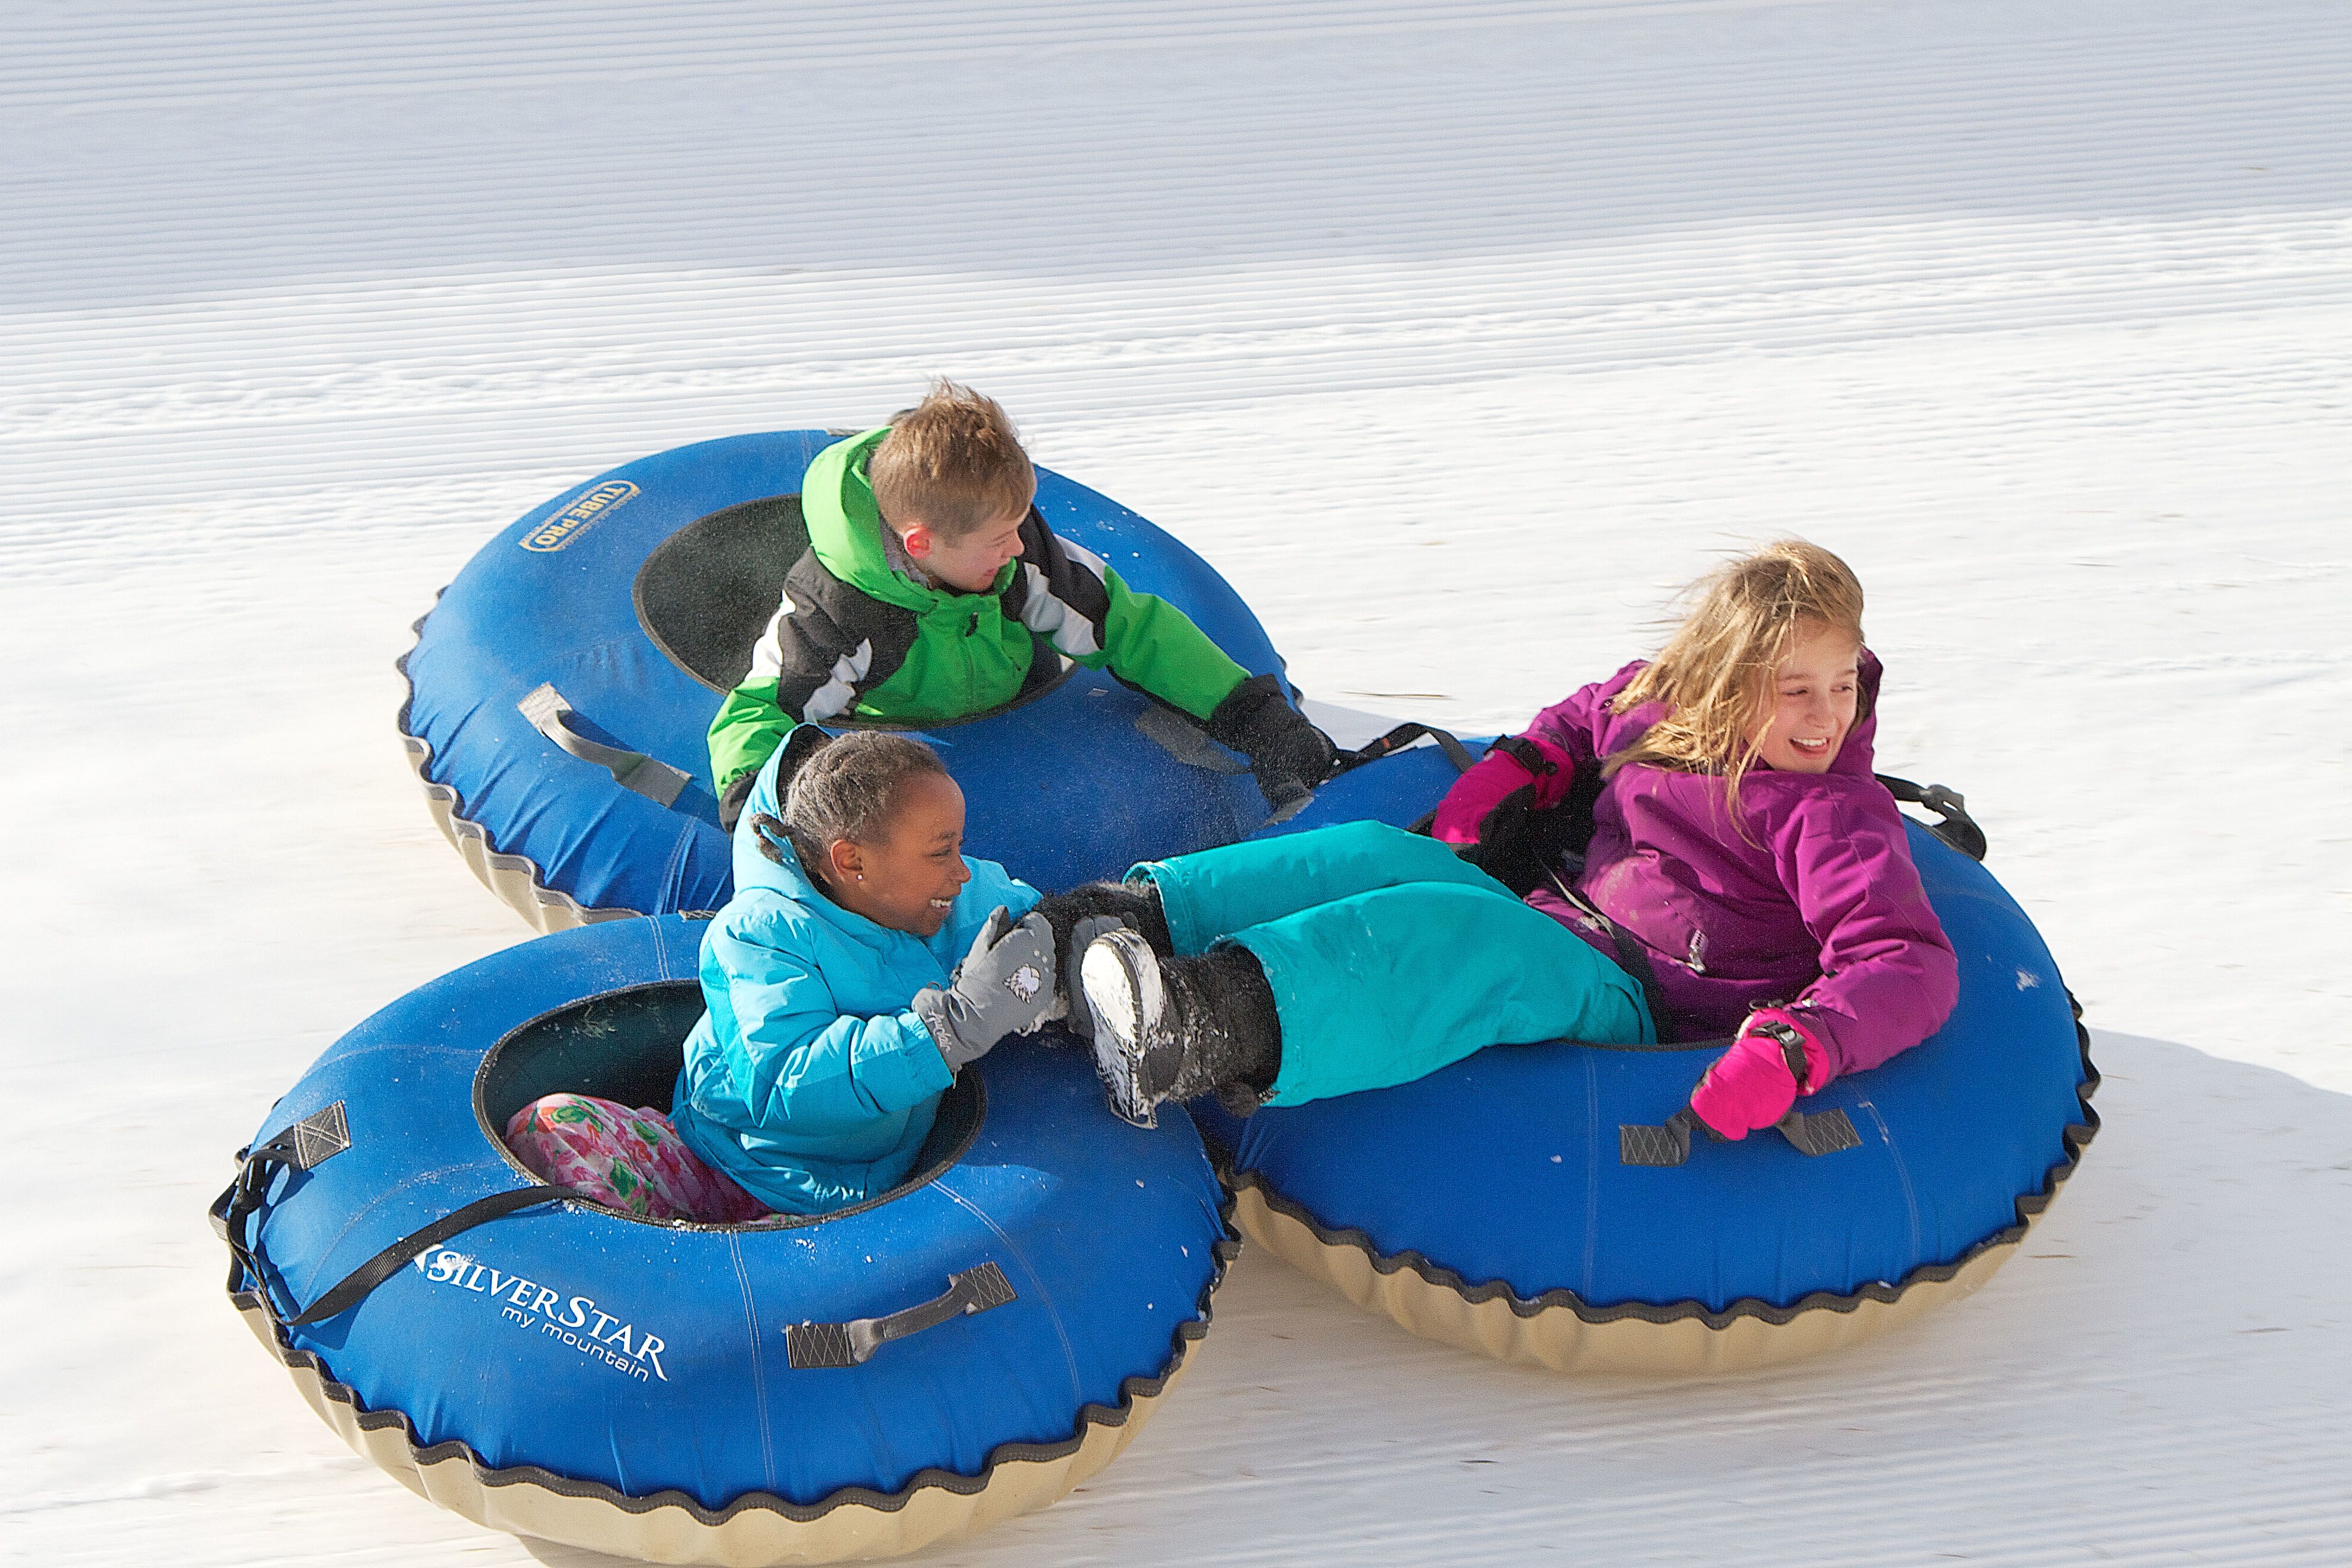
<point>1003,986</point>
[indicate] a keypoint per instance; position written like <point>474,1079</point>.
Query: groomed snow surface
<point>1454,334</point>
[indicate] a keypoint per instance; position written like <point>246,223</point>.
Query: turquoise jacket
<point>808,1079</point>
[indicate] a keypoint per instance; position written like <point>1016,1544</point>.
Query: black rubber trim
<point>1180,1341</point>
<point>2028,1206</point>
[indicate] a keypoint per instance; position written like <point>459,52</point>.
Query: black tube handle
<point>812,1345</point>
<point>1822,1132</point>
<point>1957,828</point>
<point>1397,740</point>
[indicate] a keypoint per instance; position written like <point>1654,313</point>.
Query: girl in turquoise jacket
<point>862,961</point>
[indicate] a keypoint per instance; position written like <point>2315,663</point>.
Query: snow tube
<point>1534,1202</point>
<point>561,690</point>
<point>968,1347</point>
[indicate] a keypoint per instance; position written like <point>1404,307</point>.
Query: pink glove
<point>1511,765</point>
<point>1750,1085</point>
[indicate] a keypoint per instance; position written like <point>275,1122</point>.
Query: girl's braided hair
<point>844,790</point>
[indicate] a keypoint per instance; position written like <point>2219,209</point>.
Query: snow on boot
<point>1170,1028</point>
<point>1086,913</point>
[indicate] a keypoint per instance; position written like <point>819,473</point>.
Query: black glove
<point>1086,913</point>
<point>1519,839</point>
<point>799,746</point>
<point>1290,756</point>
<point>1517,842</point>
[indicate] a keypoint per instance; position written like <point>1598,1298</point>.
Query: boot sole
<point>1120,977</point>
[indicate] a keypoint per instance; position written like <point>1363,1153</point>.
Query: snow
<point>1455,335</point>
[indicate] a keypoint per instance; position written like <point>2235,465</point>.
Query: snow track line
<point>488,49</point>
<point>1450,146</point>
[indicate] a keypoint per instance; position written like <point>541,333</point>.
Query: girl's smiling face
<point>1811,702</point>
<point>908,878</point>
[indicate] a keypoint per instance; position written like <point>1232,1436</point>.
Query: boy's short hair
<point>952,462</point>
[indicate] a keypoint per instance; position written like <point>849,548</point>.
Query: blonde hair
<point>951,463</point>
<point>1714,674</point>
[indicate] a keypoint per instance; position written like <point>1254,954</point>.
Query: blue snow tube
<point>967,1347</point>
<point>1545,1204</point>
<point>561,690</point>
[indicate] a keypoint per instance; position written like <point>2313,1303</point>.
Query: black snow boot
<point>1086,913</point>
<point>1170,1028</point>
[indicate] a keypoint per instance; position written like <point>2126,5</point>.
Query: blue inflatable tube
<point>1502,1203</point>
<point>561,690</point>
<point>692,1392</point>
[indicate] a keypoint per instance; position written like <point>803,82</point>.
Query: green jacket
<point>856,637</point>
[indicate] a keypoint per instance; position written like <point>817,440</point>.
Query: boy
<point>928,578</point>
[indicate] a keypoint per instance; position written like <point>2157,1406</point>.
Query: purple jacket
<point>1819,908</point>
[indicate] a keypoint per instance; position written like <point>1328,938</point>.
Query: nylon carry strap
<point>1191,745</point>
<point>1397,740</point>
<point>304,1146</point>
<point>633,771</point>
<point>813,1345</point>
<point>1823,1132</point>
<point>354,1287</point>
<point>1957,828</point>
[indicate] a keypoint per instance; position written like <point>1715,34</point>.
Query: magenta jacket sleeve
<point>1888,975</point>
<point>1581,724</point>
<point>1562,735</point>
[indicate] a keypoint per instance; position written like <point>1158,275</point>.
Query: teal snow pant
<point>1389,957</point>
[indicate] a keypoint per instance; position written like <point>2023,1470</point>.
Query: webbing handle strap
<point>813,1345</point>
<point>1188,744</point>
<point>1957,828</point>
<point>1397,740</point>
<point>311,1142</point>
<point>354,1287</point>
<point>233,1207</point>
<point>634,771</point>
<point>1822,1132</point>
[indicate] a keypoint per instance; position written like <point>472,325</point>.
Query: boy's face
<point>969,565</point>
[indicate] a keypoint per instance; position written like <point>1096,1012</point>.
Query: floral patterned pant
<point>629,1160</point>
